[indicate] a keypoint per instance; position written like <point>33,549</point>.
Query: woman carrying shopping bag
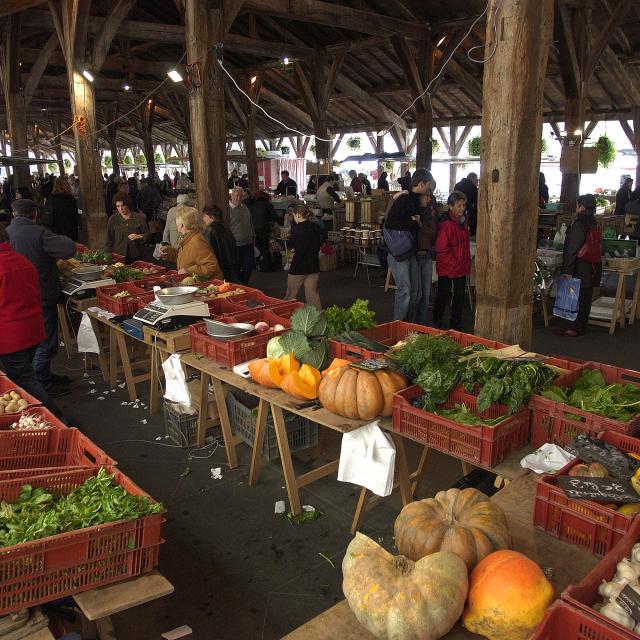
<point>582,259</point>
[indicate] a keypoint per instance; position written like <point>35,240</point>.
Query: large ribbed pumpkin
<point>508,595</point>
<point>397,599</point>
<point>360,395</point>
<point>465,522</point>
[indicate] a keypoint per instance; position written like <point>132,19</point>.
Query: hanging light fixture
<point>174,74</point>
<point>126,86</point>
<point>88,75</point>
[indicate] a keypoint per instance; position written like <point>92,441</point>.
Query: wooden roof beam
<point>237,42</point>
<point>563,33</point>
<point>339,16</point>
<point>39,66</point>
<point>14,6</point>
<point>615,20</point>
<point>101,45</point>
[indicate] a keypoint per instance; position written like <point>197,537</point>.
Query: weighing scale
<point>77,287</point>
<point>164,316</point>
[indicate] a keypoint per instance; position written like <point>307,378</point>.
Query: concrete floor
<point>241,572</point>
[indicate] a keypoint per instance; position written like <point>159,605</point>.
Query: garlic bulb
<point>610,589</point>
<point>616,613</point>
<point>627,570</point>
<point>635,553</point>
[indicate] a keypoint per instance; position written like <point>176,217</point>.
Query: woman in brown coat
<point>194,254</point>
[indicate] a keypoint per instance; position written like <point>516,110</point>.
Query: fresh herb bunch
<point>93,256</point>
<point>420,350</point>
<point>38,514</point>
<point>357,316</point>
<point>591,393</point>
<point>125,274</point>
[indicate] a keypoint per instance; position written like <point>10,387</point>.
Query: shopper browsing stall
<point>222,242</point>
<point>127,230</point>
<point>193,255</point>
<point>453,260</point>
<point>306,240</point>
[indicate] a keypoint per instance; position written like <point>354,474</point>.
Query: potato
<point>6,397</point>
<point>22,403</point>
<point>14,395</point>
<point>12,407</point>
<point>1,409</point>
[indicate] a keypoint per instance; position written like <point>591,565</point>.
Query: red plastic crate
<point>585,594</point>
<point>7,385</point>
<point>36,449</point>
<point>586,524</point>
<point>253,299</point>
<point>563,622</point>
<point>116,257</point>
<point>284,310</point>
<point>229,352</point>
<point>482,444</point>
<point>388,334</point>
<point>222,307</point>
<point>141,264</point>
<point>270,316</point>
<point>68,563</point>
<point>551,424</point>
<point>468,339</point>
<point>138,299</point>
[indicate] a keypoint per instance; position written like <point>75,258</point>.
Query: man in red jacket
<point>21,319</point>
<point>453,260</point>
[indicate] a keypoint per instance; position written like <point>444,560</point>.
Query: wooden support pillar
<point>112,115</point>
<point>633,134</point>
<point>71,21</point>
<point>142,122</point>
<point>204,27</point>
<point>14,98</point>
<point>453,167</point>
<point>512,97</point>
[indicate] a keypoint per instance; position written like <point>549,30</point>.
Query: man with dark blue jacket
<point>42,247</point>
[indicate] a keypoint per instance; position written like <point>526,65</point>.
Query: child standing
<point>453,260</point>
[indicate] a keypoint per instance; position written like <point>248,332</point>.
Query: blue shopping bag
<point>567,296</point>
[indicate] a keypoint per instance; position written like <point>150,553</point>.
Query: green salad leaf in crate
<point>357,316</point>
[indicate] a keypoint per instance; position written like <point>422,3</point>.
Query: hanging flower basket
<point>354,143</point>
<point>606,151</point>
<point>473,146</point>
<point>285,150</point>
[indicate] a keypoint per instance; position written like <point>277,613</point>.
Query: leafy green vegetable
<point>591,393</point>
<point>93,256</point>
<point>125,274</point>
<point>357,316</point>
<point>463,415</point>
<point>420,350</point>
<point>309,321</point>
<point>38,514</point>
<point>358,340</point>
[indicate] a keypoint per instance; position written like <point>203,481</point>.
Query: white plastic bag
<point>367,458</point>
<point>87,340</point>
<point>157,252</point>
<point>176,390</point>
<point>547,459</point>
<point>558,239</point>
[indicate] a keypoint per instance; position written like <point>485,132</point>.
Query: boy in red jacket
<point>453,259</point>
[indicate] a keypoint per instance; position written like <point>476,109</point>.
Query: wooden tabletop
<point>275,396</point>
<point>567,564</point>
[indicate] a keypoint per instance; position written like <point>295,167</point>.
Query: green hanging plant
<point>606,151</point>
<point>158,158</point>
<point>53,167</point>
<point>67,163</point>
<point>312,148</point>
<point>128,160</point>
<point>141,159</point>
<point>544,148</point>
<point>285,150</point>
<point>107,162</point>
<point>354,143</point>
<point>435,146</point>
<point>473,146</point>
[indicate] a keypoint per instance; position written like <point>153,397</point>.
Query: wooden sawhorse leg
<point>63,320</point>
<point>258,442</point>
<point>225,423</point>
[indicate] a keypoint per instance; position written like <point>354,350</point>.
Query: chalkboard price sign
<point>598,489</point>
<point>629,600</point>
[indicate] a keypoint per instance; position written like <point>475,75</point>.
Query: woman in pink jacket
<point>453,260</point>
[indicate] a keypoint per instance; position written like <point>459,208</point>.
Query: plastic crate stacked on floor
<point>552,421</point>
<point>587,524</point>
<point>580,598</point>
<point>60,565</point>
<point>301,433</point>
<point>59,459</point>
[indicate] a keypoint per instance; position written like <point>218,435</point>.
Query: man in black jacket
<point>42,247</point>
<point>222,242</point>
<point>287,186</point>
<point>404,215</point>
<point>469,186</point>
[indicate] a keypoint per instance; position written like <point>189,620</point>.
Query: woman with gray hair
<point>241,227</point>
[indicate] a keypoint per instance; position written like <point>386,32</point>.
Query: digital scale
<point>164,316</point>
<point>76,287</point>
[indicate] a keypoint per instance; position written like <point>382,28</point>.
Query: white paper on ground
<point>179,632</point>
<point>279,507</point>
<point>367,458</point>
<point>177,390</point>
<point>549,458</point>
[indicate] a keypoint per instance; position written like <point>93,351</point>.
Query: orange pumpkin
<point>302,384</point>
<point>465,522</point>
<point>508,595</point>
<point>360,395</point>
<point>265,372</point>
<point>336,363</point>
